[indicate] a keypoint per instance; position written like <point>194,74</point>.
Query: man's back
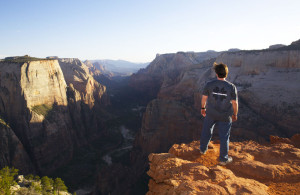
<point>220,93</point>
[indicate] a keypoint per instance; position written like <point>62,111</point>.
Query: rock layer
<point>256,169</point>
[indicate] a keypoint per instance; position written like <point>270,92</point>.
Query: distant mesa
<point>209,51</point>
<point>297,43</point>
<point>233,50</point>
<point>276,46</point>
<point>52,57</point>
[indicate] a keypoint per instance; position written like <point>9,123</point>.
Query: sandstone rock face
<point>164,68</point>
<point>12,152</point>
<point>77,76</point>
<point>86,97</point>
<point>267,82</point>
<point>31,84</point>
<point>169,117</point>
<point>167,62</point>
<point>92,69</point>
<point>51,106</point>
<point>256,169</point>
<point>33,101</point>
<point>254,62</point>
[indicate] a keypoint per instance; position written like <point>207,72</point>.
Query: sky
<point>137,30</point>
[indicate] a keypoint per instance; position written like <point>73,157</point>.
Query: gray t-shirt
<point>218,105</point>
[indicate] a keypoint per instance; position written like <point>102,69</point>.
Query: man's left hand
<point>234,118</point>
<point>203,112</point>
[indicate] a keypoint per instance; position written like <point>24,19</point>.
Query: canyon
<point>70,118</point>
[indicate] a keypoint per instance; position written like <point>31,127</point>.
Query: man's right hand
<point>234,118</point>
<point>203,112</point>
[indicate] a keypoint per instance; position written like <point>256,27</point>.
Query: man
<point>219,107</point>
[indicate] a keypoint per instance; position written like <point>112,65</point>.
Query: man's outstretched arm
<point>235,106</point>
<point>203,104</point>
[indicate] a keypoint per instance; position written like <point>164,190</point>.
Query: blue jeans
<point>224,133</point>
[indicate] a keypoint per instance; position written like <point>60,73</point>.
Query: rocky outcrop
<point>12,152</point>
<point>256,169</point>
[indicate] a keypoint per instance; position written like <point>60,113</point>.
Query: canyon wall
<point>50,106</point>
<point>33,101</point>
<point>86,99</point>
<point>267,83</point>
<point>78,78</point>
<point>164,68</point>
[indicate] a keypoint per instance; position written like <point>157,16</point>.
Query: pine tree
<point>46,184</point>
<point>59,185</point>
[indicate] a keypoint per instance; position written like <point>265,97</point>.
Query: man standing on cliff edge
<point>219,107</point>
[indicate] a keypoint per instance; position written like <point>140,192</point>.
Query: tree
<point>7,179</point>
<point>59,185</point>
<point>47,184</point>
<point>37,178</point>
<point>36,187</point>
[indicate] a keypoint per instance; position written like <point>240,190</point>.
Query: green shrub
<point>32,185</point>
<point>42,109</point>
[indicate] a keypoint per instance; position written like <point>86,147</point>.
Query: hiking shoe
<point>223,163</point>
<point>202,152</point>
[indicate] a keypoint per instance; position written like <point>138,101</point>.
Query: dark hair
<point>221,70</point>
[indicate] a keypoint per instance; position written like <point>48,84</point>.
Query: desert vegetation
<point>12,183</point>
<point>22,59</point>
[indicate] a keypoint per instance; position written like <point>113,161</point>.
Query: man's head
<point>221,70</point>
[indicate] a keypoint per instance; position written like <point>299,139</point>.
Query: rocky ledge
<point>272,168</point>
